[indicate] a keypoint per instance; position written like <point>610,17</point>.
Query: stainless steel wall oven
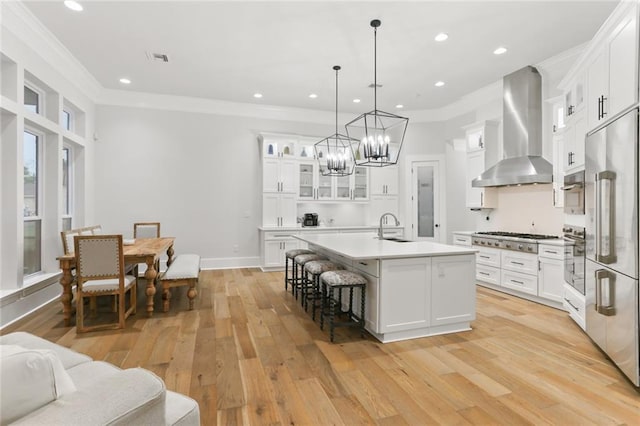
<point>574,193</point>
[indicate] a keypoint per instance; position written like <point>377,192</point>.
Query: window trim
<point>41,94</point>
<point>70,184</point>
<point>39,217</point>
<point>72,119</point>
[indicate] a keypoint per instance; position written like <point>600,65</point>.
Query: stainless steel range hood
<point>521,135</point>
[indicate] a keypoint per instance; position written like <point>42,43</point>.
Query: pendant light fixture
<point>380,134</point>
<point>335,153</point>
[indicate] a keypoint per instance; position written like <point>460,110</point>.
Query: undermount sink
<point>397,240</point>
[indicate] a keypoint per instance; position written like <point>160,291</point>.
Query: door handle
<point>607,309</point>
<point>608,256</point>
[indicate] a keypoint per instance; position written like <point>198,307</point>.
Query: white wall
<point>198,174</point>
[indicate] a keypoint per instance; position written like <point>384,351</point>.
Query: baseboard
<point>230,262</point>
<point>22,303</point>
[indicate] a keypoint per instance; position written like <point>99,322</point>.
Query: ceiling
<point>286,50</point>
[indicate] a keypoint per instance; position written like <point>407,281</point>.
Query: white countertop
<point>553,242</point>
<point>464,232</point>
<point>325,228</point>
<point>368,246</point>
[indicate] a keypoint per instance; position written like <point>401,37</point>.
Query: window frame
<point>71,121</point>
<point>38,217</point>
<point>69,208</point>
<point>40,110</point>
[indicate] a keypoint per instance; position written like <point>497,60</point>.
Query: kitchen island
<point>415,289</point>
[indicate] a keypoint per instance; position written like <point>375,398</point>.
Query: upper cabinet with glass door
<point>312,185</point>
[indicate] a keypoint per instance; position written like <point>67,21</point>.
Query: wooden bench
<point>183,271</point>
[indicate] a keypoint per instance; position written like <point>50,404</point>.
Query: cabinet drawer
<point>462,240</point>
<point>488,274</point>
<point>369,266</point>
<point>574,303</point>
<point>526,263</point>
<point>551,252</point>
<point>488,257</point>
<point>518,281</point>
<point>278,235</point>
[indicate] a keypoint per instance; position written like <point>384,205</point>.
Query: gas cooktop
<point>510,240</point>
<point>517,235</point>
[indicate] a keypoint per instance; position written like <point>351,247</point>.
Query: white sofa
<point>42,383</point>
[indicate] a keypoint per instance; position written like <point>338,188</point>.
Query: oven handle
<point>570,187</point>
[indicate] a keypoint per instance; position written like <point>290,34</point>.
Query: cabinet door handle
<point>481,199</point>
<point>539,266</point>
<point>483,273</point>
<point>603,111</point>
<point>571,304</point>
<point>517,263</point>
<point>517,282</point>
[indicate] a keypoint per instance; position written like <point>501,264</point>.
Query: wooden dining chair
<point>100,272</point>
<point>146,230</point>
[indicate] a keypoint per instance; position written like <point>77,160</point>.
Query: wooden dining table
<point>143,250</point>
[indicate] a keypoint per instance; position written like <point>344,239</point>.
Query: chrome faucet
<point>381,230</point>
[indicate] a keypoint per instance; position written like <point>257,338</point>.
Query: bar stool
<point>339,280</point>
<point>315,268</point>
<point>291,254</point>
<point>298,270</point>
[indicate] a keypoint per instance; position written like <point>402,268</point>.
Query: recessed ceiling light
<point>499,51</point>
<point>399,106</point>
<point>441,37</point>
<point>73,5</point>
<point>439,83</point>
<point>313,96</point>
<point>356,101</point>
<point>125,81</point>
<point>257,95</point>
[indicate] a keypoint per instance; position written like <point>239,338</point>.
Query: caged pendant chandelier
<point>380,134</point>
<point>334,153</point>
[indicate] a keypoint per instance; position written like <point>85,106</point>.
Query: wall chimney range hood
<point>521,134</point>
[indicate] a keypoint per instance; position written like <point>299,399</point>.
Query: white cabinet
<point>519,271</point>
<point>274,247</point>
<point>452,290</point>
<point>405,297</point>
<point>550,272</point>
<point>278,209</point>
<point>278,146</point>
<point>460,239</point>
<point>384,180</point>
<point>558,169</point>
<point>573,140</point>
<point>312,185</point>
<point>574,303</point>
<point>574,98</point>
<point>381,204</point>
<point>482,153</point>
<point>488,261</point>
<point>278,175</point>
<point>612,76</point>
<point>354,187</point>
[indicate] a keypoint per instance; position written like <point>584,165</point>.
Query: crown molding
<point>19,20</point>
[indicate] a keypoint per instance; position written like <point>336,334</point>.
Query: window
<point>32,262</point>
<point>66,119</point>
<point>32,99</point>
<point>66,189</point>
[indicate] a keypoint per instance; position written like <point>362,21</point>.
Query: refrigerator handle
<point>609,310</point>
<point>610,256</point>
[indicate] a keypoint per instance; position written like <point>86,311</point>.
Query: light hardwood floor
<point>250,355</point>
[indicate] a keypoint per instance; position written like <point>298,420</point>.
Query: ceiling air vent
<point>157,57</point>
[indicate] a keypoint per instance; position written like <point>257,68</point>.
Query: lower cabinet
<point>574,302</point>
<point>274,247</point>
<point>453,290</point>
<point>405,296</point>
<point>551,273</point>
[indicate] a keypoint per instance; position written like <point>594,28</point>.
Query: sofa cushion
<point>84,375</point>
<point>31,378</point>
<point>68,357</point>
<point>181,410</point>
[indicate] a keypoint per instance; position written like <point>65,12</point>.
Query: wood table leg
<point>170,255</point>
<point>150,275</point>
<point>66,282</point>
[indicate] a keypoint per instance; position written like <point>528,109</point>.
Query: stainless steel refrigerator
<point>611,276</point>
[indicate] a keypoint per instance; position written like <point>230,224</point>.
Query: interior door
<point>425,199</point>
